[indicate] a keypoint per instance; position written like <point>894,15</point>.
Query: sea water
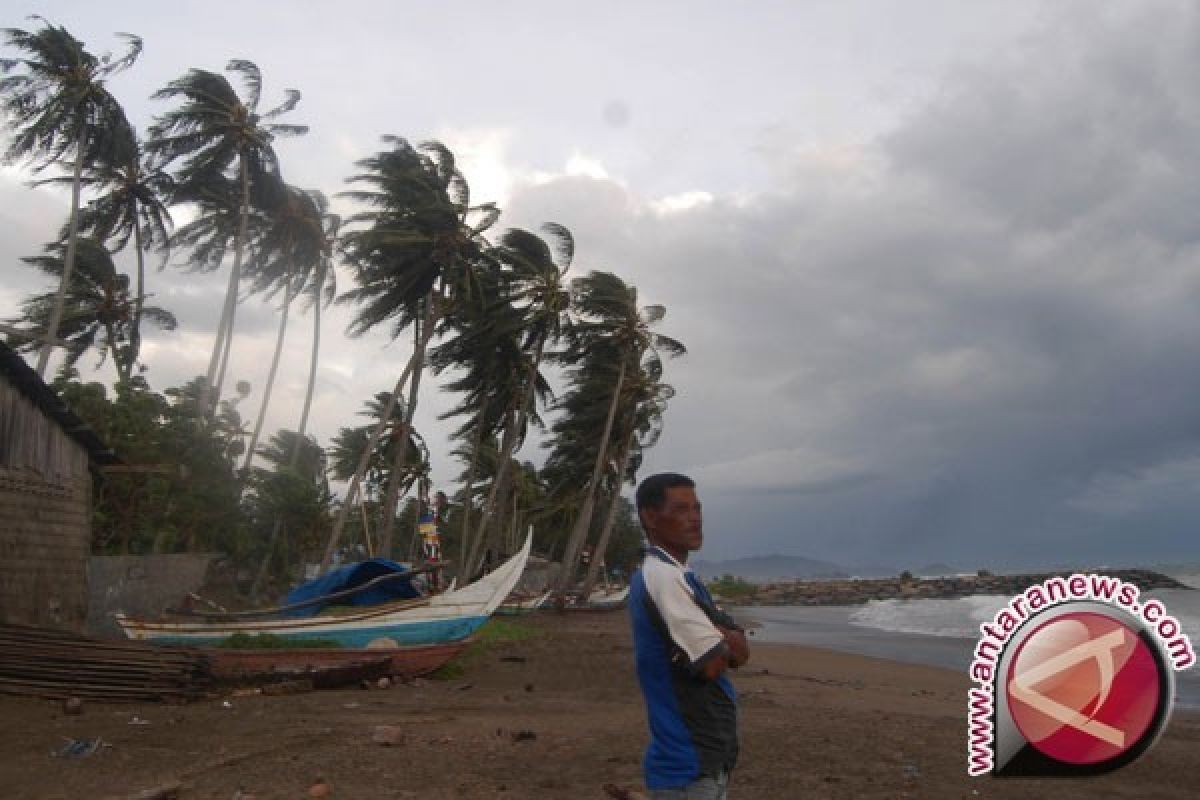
<point>942,632</point>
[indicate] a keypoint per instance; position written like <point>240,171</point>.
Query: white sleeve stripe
<point>688,625</point>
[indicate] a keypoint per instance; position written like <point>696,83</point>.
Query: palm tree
<point>535,287</point>
<point>293,492</point>
<point>130,205</point>
<point>319,291</point>
<point>56,103</point>
<point>214,130</point>
<point>94,307</point>
<point>417,254</point>
<point>612,336</point>
<point>486,346</point>
<point>289,252</point>
<point>384,474</point>
<point>644,403</point>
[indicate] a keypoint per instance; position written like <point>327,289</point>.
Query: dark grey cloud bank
<point>976,339</point>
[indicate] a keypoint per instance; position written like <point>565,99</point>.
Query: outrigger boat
<point>606,599</point>
<point>447,617</point>
<point>518,603</point>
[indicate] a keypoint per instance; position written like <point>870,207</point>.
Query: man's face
<point>679,524</point>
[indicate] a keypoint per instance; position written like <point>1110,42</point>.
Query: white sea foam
<point>962,616</point>
<point>955,617</point>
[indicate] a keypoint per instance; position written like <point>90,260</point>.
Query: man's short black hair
<point>652,492</point>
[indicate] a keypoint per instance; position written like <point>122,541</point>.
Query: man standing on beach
<point>684,645</point>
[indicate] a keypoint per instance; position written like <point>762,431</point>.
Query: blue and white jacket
<point>693,722</point>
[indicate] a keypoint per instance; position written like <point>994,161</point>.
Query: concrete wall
<point>45,536</point>
<point>140,585</point>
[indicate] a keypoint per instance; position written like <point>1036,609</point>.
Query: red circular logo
<point>1083,688</point>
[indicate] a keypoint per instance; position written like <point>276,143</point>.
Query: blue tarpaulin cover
<point>349,576</point>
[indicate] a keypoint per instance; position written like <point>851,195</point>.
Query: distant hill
<point>770,568</point>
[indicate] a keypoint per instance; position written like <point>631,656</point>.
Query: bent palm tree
<point>94,308</point>
<point>613,336</point>
<point>644,404</point>
<point>536,272</point>
<point>416,257</point>
<point>289,251</point>
<point>56,103</point>
<point>213,130</point>
<point>131,205</point>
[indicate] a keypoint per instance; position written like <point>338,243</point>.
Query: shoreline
<point>552,712</point>
<point>831,629</point>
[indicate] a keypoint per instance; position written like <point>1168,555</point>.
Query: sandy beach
<point>553,715</point>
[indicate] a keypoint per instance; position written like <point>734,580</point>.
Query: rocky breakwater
<point>854,592</point>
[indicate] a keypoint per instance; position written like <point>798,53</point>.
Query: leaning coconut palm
<point>535,286</point>
<point>293,494</point>
<point>213,131</point>
<point>130,205</point>
<point>484,344</point>
<point>643,405</point>
<point>95,310</point>
<point>290,250</point>
<point>416,253</point>
<point>382,478</point>
<point>319,292</point>
<point>56,103</point>
<point>488,389</point>
<point>615,330</point>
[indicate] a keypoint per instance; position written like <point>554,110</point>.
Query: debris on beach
<point>388,735</point>
<point>167,791</point>
<point>40,662</point>
<point>80,748</point>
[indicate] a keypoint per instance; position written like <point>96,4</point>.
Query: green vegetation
<point>494,632</point>
<point>731,588</point>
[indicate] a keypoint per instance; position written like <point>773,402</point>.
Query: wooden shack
<point>47,455</point>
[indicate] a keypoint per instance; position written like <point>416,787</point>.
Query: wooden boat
<point>447,617</point>
<point>518,603</point>
<point>606,599</point>
<point>233,666</point>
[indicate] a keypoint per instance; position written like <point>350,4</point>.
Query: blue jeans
<point>702,789</point>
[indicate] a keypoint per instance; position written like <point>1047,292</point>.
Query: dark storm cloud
<point>954,343</point>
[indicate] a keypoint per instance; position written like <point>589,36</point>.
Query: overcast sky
<point>935,263</point>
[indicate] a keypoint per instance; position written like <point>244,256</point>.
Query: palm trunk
<point>401,456</point>
<point>602,545</point>
<point>466,523</point>
<point>295,456</point>
<point>110,333</point>
<point>489,504</point>
<point>584,520</point>
<point>265,566</point>
<point>266,400</point>
<point>508,445</point>
<point>211,393</point>
<point>135,333</point>
<point>312,368</point>
<point>352,491</point>
<point>68,259</point>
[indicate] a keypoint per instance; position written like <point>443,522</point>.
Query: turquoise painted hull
<point>412,633</point>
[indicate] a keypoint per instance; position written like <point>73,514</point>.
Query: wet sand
<point>554,716</point>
